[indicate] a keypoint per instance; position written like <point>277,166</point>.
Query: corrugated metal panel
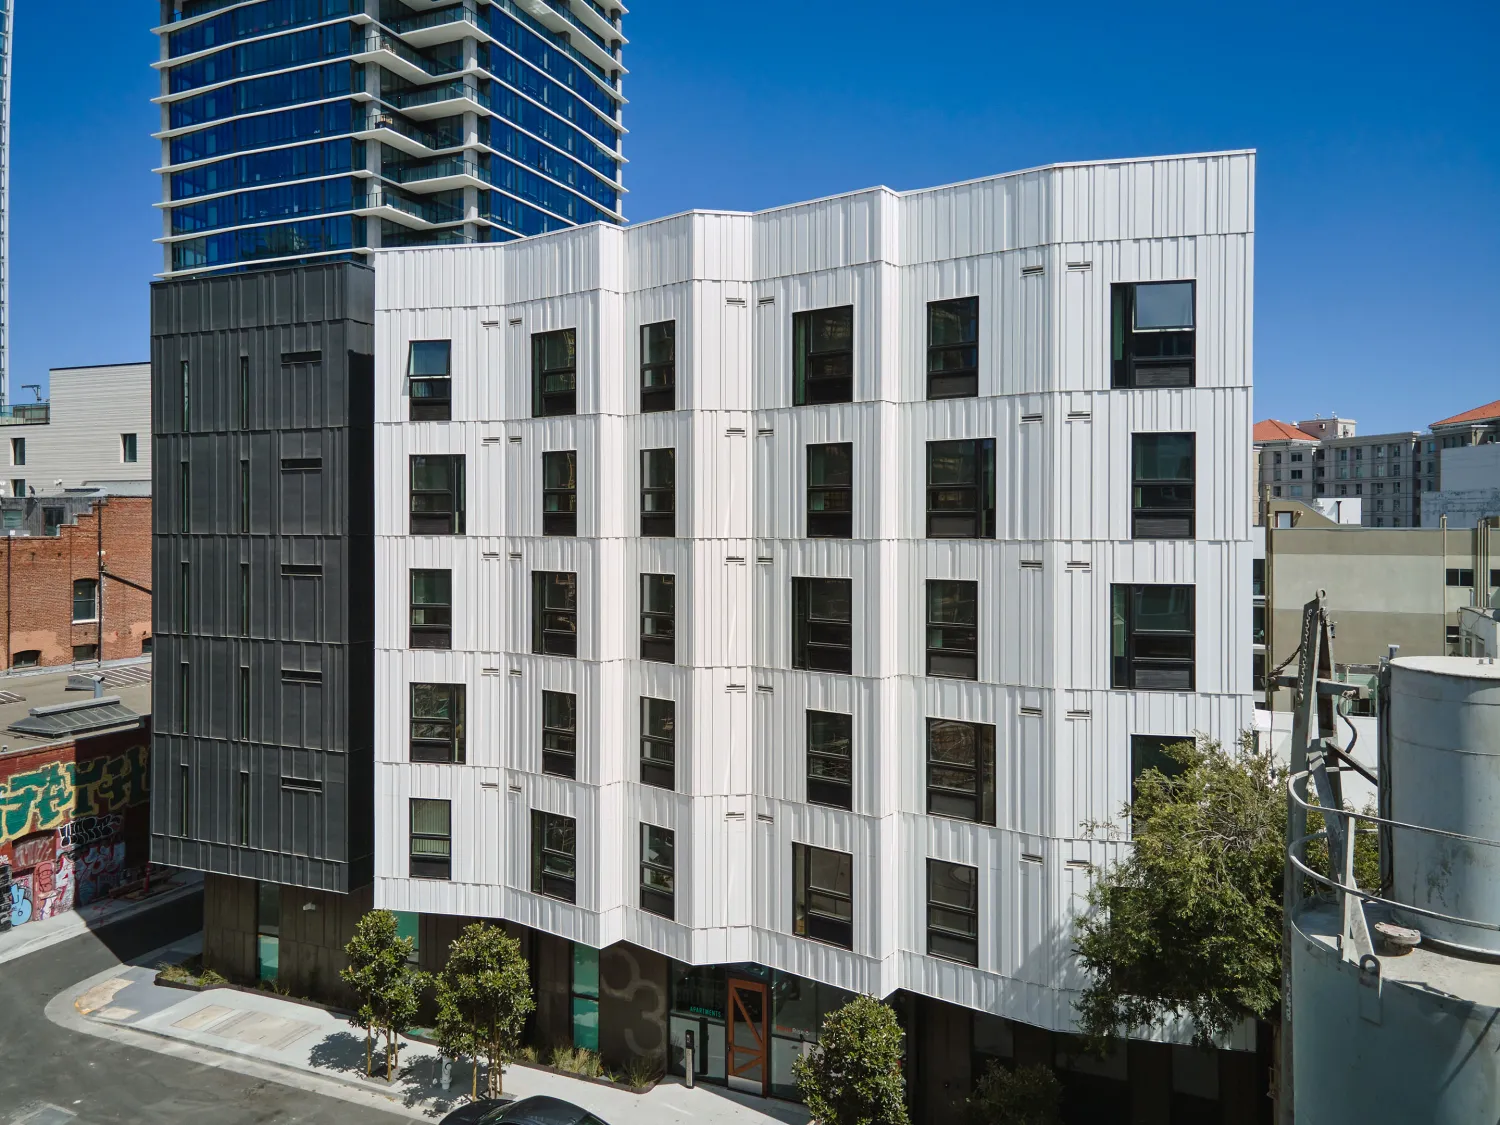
<point>1063,439</point>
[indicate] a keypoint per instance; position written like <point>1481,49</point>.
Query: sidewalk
<point>33,936</point>
<point>307,1047</point>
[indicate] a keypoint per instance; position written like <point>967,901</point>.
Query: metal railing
<point>529,21</point>
<point>564,9</point>
<point>429,95</point>
<point>435,170</point>
<point>26,413</point>
<point>459,13</point>
<point>383,41</point>
<point>429,211</point>
<point>377,119</point>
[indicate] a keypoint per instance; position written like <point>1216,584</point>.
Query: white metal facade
<point>732,282</point>
<point>83,442</point>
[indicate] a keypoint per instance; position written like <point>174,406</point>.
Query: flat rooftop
<point>130,683</point>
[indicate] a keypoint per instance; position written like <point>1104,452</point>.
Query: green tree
<point>1027,1095</point>
<point>389,989</point>
<point>853,1076</point>
<point>1189,920</point>
<point>483,996</point>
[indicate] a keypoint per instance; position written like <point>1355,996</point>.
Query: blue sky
<point>1377,124</point>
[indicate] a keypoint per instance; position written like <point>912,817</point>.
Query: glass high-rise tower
<point>310,130</point>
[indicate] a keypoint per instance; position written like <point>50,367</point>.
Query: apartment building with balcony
<point>313,130</point>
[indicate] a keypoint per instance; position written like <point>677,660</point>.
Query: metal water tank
<point>1444,772</point>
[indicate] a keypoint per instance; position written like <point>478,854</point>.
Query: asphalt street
<point>48,1073</point>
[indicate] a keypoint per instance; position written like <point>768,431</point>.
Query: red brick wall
<point>38,613</point>
<point>74,821</point>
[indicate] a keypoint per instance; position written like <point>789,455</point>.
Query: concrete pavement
<point>36,936</point>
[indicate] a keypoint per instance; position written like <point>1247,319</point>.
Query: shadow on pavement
<point>345,1053</point>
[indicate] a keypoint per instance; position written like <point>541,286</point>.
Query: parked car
<point>539,1110</point>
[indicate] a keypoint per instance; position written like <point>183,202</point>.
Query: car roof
<point>542,1110</point>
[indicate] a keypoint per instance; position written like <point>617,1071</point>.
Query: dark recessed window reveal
<point>301,464</point>
<point>823,356</point>
<point>1152,334</point>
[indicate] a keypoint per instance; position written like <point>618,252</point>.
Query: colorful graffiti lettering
<point>47,797</point>
<point>58,900</point>
<point>20,901</point>
<point>31,851</point>
<point>85,830</point>
<point>98,871</point>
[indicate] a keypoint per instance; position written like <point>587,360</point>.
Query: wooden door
<point>747,1065</point>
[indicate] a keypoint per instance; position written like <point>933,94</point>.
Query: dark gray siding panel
<point>287,763</point>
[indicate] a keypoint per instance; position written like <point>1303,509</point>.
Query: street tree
<point>389,989</point>
<point>853,1076</point>
<point>483,996</point>
<point>1025,1095</point>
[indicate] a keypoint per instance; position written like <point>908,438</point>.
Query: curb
<point>84,925</point>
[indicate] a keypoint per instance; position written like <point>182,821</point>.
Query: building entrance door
<point>747,1064</point>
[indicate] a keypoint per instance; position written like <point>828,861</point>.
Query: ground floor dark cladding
<point>746,1023</point>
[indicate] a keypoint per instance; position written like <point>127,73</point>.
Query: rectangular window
<point>185,597</point>
<point>1495,577</point>
<point>560,733</point>
<point>830,491</point>
<point>85,652</point>
<point>244,702</point>
<point>554,373</point>
<point>1152,334</point>
<point>185,803</point>
<point>1258,625</point>
<point>659,618</point>
<point>1151,636</point>
<point>658,742</point>
<point>184,697</point>
<point>431,854</point>
<point>437,722</point>
<point>953,628</point>
<point>429,380</point>
<point>1258,578</point>
<point>953,911</point>
<point>86,599</point>
<point>554,846</point>
<point>244,392</point>
<point>961,489</point>
<point>18,451</point>
<point>184,499</point>
<point>823,895</point>
<point>560,492</point>
<point>245,497</point>
<point>823,356</point>
<point>823,624</point>
<point>244,599</point>
<point>830,759</point>
<point>554,613</point>
<point>953,348</point>
<point>659,492</point>
<point>659,366</point>
<point>1460,577</point>
<point>658,870</point>
<point>1149,752</point>
<point>185,395</point>
<point>437,495</point>
<point>267,930</point>
<point>431,609</point>
<point>961,770</point>
<point>18,487</point>
<point>1163,468</point>
<point>244,809</point>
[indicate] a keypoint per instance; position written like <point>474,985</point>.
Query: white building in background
<point>93,432</point>
<point>768,600</point>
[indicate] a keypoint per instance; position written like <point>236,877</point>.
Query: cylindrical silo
<point>1444,772</point>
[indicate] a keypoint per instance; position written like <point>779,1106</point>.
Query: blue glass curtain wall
<point>302,123</point>
<point>533,153</point>
<point>265,93</point>
<point>293,49</point>
<point>536,86</point>
<point>267,168</point>
<point>533,188</point>
<point>535,49</point>
<point>256,19</point>
<point>312,197</point>
<point>510,105</point>
<point>517,216</point>
<point>286,240</point>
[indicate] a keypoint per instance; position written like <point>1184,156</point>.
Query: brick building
<point>77,580</point>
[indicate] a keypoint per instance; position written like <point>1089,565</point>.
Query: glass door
<point>747,1036</point>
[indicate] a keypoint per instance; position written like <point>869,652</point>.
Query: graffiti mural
<point>63,823</point>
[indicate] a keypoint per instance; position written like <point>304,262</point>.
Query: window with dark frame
<point>185,804</point>
<point>431,850</point>
<point>554,373</point>
<point>244,599</point>
<point>1460,577</point>
<point>129,451</point>
<point>244,392</point>
<point>658,870</point>
<point>431,609</point>
<point>830,759</point>
<point>1258,625</point>
<point>244,809</point>
<point>1258,578</point>
<point>961,489</point>
<point>1163,469</point>
<point>560,733</point>
<point>1152,638</point>
<point>659,618</point>
<point>823,624</point>
<point>830,491</point>
<point>185,499</point>
<point>953,911</point>
<point>953,348</point>
<point>659,742</point>
<point>86,599</point>
<point>659,366</point>
<point>560,492</point>
<point>437,723</point>
<point>429,380</point>
<point>1152,330</point>
<point>823,895</point>
<point>659,493</point>
<point>961,770</point>
<point>186,401</point>
<point>245,497</point>
<point>554,850</point>
<point>437,495</point>
<point>184,596</point>
<point>953,628</point>
<point>184,697</point>
<point>554,613</point>
<point>1149,752</point>
<point>823,356</point>
<point>244,701</point>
